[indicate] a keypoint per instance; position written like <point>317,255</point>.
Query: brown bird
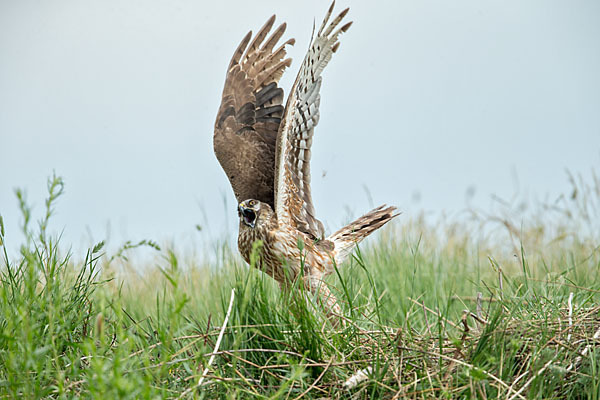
<point>265,151</point>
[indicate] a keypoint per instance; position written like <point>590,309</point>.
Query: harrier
<point>265,149</point>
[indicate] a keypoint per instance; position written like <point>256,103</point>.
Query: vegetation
<point>500,305</point>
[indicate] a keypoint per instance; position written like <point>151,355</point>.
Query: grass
<point>485,307</point>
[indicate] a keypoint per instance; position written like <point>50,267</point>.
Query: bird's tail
<point>350,235</point>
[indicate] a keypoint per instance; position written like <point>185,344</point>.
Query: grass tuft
<point>473,308</point>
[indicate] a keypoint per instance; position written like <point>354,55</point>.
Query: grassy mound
<point>482,308</point>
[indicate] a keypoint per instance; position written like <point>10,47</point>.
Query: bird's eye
<point>252,203</point>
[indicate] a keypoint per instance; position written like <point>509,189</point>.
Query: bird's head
<point>253,212</point>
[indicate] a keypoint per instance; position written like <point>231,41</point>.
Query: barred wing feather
<point>250,114</point>
<point>293,201</point>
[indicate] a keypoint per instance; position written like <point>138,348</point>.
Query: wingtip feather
<point>344,12</point>
<point>331,7</point>
<point>239,51</point>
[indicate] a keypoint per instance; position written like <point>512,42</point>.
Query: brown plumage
<point>250,114</point>
<point>265,150</point>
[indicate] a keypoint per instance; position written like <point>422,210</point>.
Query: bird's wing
<point>250,114</point>
<point>293,202</point>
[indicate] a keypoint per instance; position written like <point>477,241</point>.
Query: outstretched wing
<point>250,114</point>
<point>293,201</point>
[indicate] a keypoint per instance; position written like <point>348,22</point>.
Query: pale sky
<point>424,100</point>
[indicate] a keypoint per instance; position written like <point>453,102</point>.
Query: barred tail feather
<point>350,235</point>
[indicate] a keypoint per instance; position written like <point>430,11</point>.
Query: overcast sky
<point>424,100</point>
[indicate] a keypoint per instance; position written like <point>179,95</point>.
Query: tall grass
<point>457,309</point>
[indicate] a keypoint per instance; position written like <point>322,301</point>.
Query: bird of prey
<point>265,149</point>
